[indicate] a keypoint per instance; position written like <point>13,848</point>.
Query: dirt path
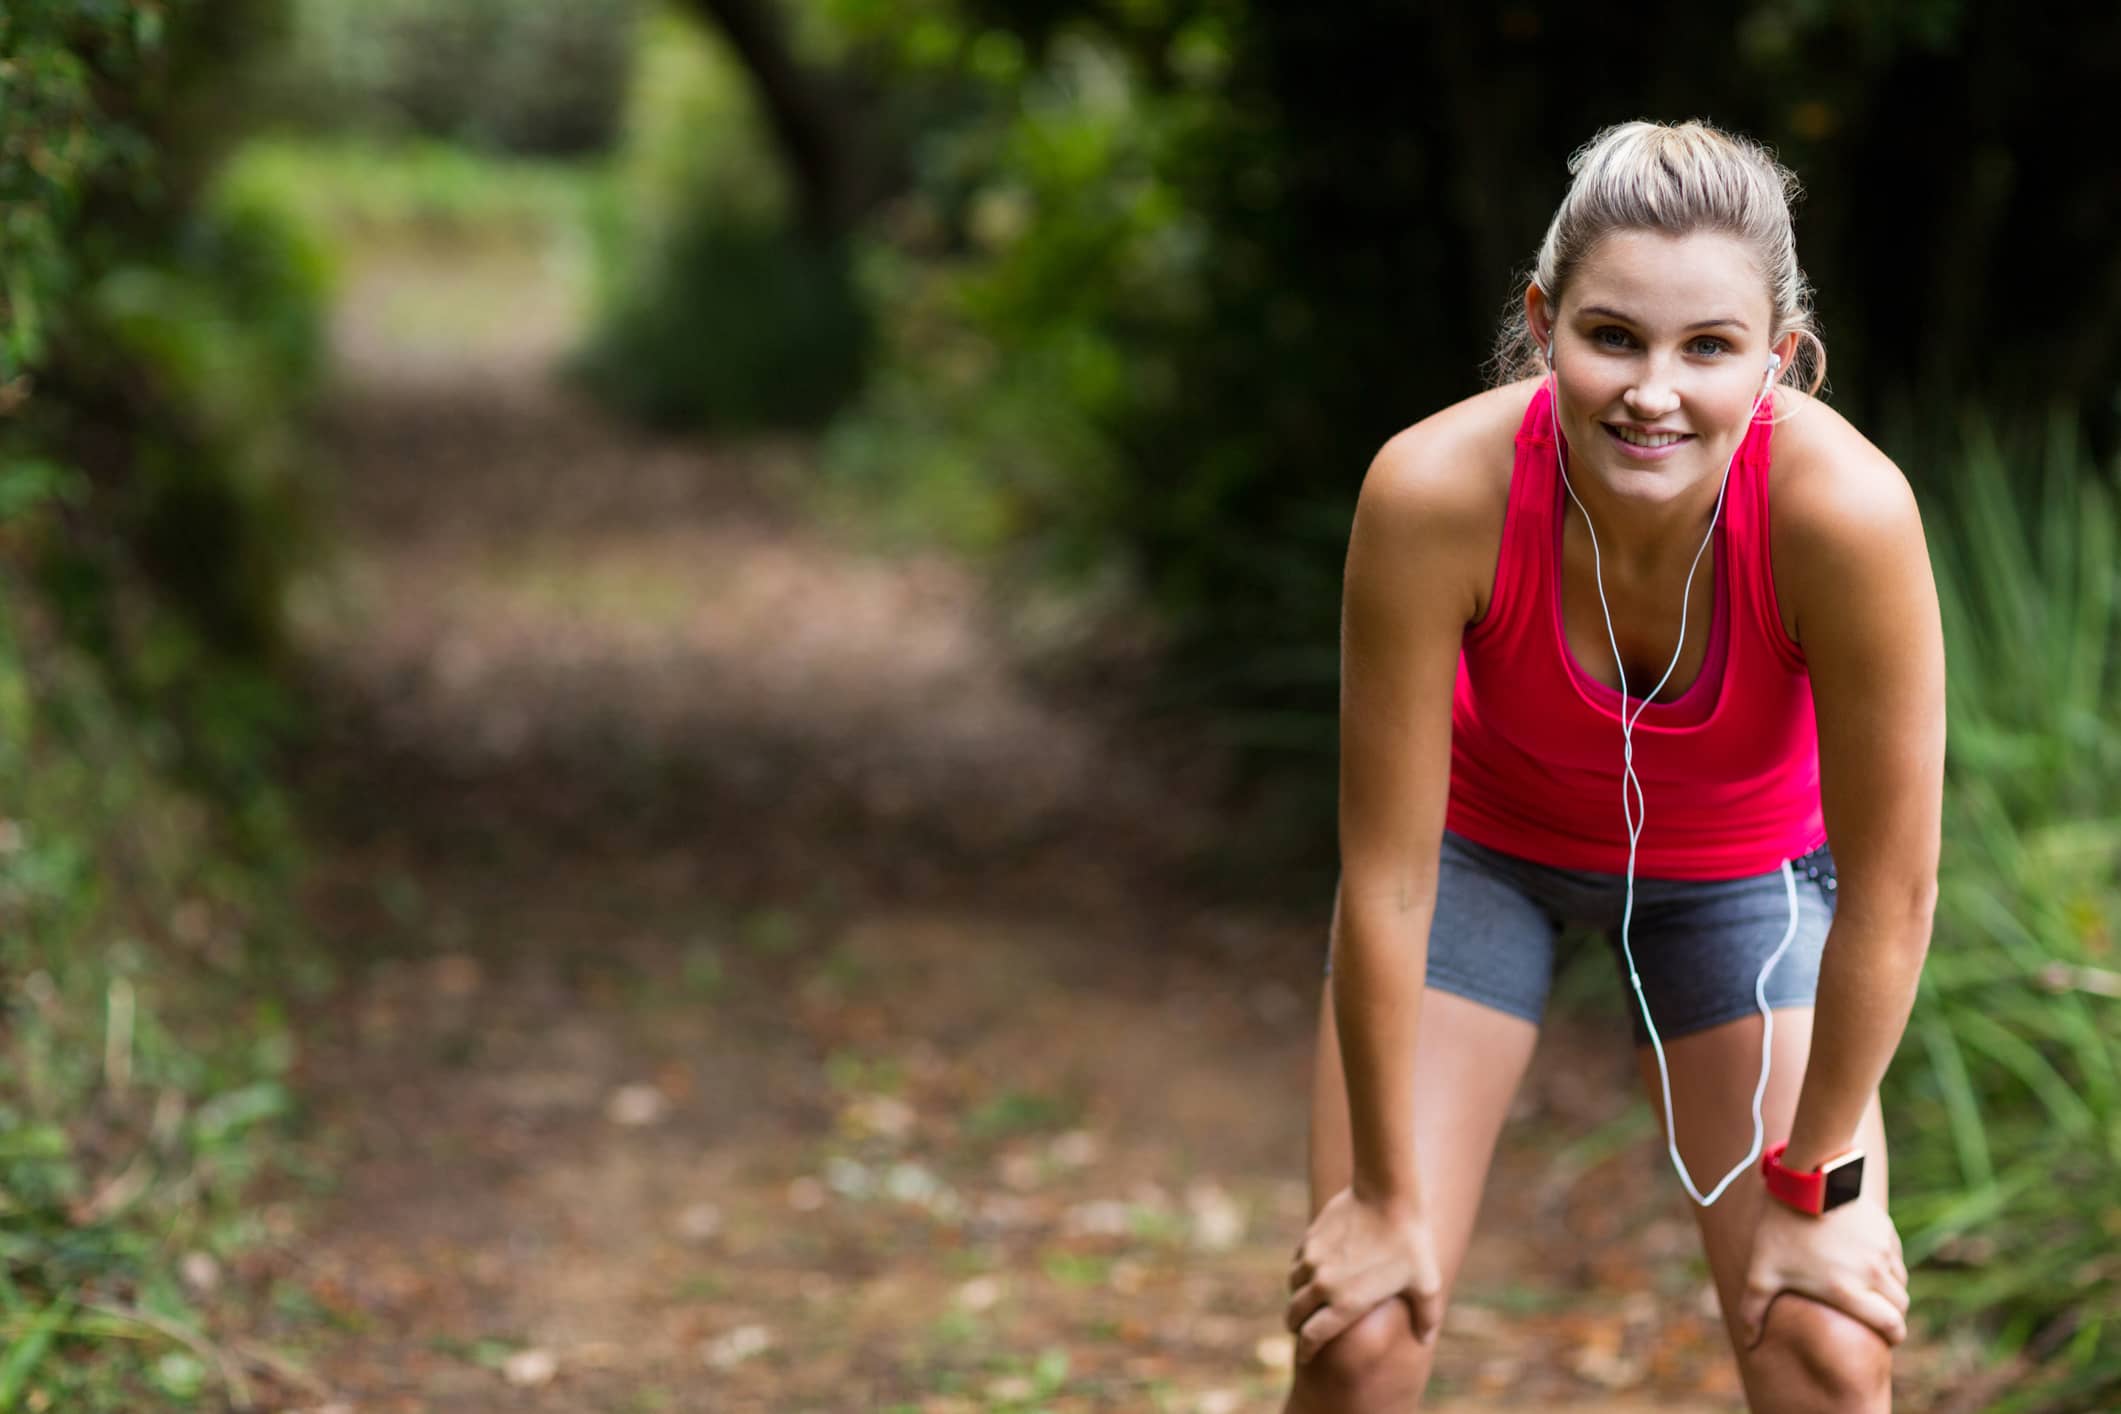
<point>765,1000</point>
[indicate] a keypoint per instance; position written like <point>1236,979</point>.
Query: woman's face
<point>1663,339</point>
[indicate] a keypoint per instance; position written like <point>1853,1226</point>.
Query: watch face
<point>1843,1181</point>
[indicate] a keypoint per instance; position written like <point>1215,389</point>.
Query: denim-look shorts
<point>1699,944</point>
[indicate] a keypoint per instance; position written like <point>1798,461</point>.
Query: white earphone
<point>1633,814</point>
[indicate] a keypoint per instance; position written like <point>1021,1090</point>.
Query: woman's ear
<point>1539,316</point>
<point>1786,349</point>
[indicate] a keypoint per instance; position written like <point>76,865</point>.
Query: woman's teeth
<point>1662,439</point>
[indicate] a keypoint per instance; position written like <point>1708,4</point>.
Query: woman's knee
<point>1815,1356</point>
<point>1377,1359</point>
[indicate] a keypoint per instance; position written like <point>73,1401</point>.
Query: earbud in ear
<point>1550,354</point>
<point>1774,361</point>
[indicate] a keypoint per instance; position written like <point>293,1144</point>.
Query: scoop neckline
<point>1714,661</point>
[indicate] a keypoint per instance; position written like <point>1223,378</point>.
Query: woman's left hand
<point>1849,1258</point>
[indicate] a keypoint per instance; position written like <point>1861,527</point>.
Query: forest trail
<point>761,996</point>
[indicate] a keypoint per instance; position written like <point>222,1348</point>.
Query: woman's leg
<point>1811,1356</point>
<point>1468,1061</point>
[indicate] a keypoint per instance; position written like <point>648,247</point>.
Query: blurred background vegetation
<point>1120,297</point>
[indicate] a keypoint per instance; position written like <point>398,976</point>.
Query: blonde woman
<point>1626,640</point>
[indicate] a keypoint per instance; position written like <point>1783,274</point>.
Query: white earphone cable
<point>1634,815</point>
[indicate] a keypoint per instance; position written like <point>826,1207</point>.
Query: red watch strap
<point>1806,1192</point>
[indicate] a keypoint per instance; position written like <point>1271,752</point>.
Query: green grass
<point>142,1053</point>
<point>352,188</point>
<point>2007,1133</point>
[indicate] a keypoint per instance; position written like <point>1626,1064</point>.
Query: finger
<point>1299,1274</point>
<point>1877,1313</point>
<point>1752,1313</point>
<point>1324,1324</point>
<point>1302,1306</point>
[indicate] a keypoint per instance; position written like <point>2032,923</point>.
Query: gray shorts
<point>1699,944</point>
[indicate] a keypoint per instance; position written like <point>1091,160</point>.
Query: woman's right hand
<point>1355,1256</point>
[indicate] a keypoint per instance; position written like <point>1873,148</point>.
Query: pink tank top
<point>1729,770</point>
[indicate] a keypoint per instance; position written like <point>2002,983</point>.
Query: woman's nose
<point>1653,394</point>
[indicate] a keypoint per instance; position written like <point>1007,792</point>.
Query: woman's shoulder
<point>1835,500</point>
<point>1439,491</point>
<point>1456,461</point>
<point>1827,478</point>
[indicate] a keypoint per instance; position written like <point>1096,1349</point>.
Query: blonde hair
<point>1676,178</point>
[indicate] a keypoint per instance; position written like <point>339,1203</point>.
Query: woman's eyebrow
<point>1726,321</point>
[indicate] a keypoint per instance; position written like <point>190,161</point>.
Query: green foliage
<point>714,312</point>
<point>138,919</point>
<point>215,345</point>
<point>521,76</point>
<point>692,127</point>
<point>336,195</point>
<point>740,328</point>
<point>994,422</point>
<point>158,339</point>
<point>2007,1148</point>
<point>54,144</point>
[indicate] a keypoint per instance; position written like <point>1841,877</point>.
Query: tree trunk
<point>841,158</point>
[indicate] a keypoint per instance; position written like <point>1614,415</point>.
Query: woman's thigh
<point>1468,1060</point>
<point>1713,1076</point>
<point>1490,959</point>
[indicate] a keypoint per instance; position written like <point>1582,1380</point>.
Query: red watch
<point>1828,1186</point>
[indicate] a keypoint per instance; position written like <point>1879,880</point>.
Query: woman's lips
<point>1641,453</point>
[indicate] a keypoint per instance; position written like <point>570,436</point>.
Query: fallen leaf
<point>1218,1222</point>
<point>700,1221</point>
<point>1474,1322</point>
<point>885,1116</point>
<point>1078,1148</point>
<point>200,1272</point>
<point>1021,1171</point>
<point>455,975</point>
<point>980,1293</point>
<point>736,1346</point>
<point>635,1105</point>
<point>527,1369</point>
<point>1100,1217</point>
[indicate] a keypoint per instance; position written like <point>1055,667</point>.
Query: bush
<point>715,312</point>
<point>1009,286</point>
<point>156,350</point>
<point>542,77</point>
<point>741,327</point>
<point>2007,1097</point>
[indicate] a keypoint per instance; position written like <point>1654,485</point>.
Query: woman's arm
<point>1866,612</point>
<point>1409,590</point>
<point>1410,587</point>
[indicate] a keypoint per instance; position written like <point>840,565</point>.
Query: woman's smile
<point>1638,445</point>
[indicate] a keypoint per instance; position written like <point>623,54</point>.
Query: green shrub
<point>338,193</point>
<point>741,327</point>
<point>713,310</point>
<point>524,76</point>
<point>2006,1101</point>
<point>155,350</point>
<point>138,919</point>
<point>1009,287</point>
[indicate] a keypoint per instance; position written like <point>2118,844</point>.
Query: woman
<point>1576,687</point>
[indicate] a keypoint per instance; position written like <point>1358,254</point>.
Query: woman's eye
<point>1612,338</point>
<point>1709,347</point>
